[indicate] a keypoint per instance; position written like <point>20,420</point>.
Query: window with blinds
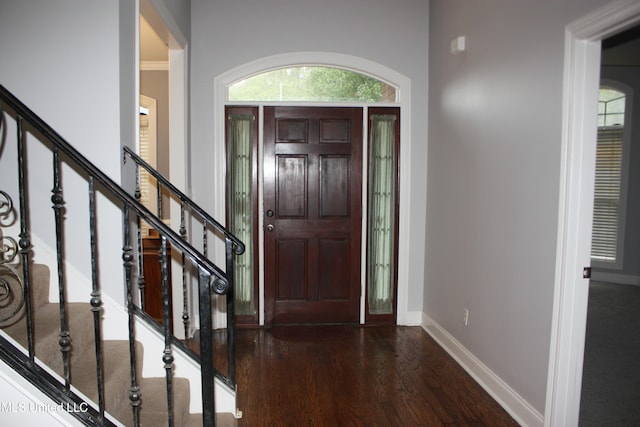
<point>608,196</point>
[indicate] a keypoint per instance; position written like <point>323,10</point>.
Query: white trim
<point>512,402</point>
<point>581,81</point>
<point>154,65</point>
<point>361,65</point>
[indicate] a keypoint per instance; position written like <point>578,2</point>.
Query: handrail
<point>238,246</point>
<point>221,286</point>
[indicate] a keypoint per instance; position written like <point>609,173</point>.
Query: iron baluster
<point>185,292</point>
<point>96,300</point>
<point>167,356</point>
<point>159,198</point>
<point>206,349</point>
<point>58,208</point>
<point>141,279</point>
<point>205,248</point>
<point>127,258</point>
<point>25,238</point>
<point>231,316</point>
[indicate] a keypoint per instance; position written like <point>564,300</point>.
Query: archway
<point>357,64</point>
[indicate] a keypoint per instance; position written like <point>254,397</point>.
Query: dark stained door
<point>312,205</point>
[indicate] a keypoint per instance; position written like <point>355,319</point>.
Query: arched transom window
<point>312,83</point>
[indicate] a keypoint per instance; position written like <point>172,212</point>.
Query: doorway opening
<point>612,345</point>
<point>581,83</point>
<point>330,207</point>
<point>162,75</point>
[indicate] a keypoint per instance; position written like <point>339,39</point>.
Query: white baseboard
<point>412,318</point>
<point>513,403</point>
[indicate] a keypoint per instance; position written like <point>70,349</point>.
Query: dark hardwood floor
<point>355,376</point>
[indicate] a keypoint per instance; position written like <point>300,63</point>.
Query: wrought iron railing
<point>11,287</point>
<point>208,278</point>
<point>190,213</point>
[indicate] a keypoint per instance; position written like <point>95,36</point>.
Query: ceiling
<point>623,49</point>
<point>152,48</point>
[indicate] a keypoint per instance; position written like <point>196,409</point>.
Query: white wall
<point>493,184</point>
<point>22,404</point>
<point>227,34</point>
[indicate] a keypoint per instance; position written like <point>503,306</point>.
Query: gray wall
<point>63,60</point>
<point>73,63</point>
<point>493,183</point>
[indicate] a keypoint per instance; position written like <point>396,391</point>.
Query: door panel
<point>313,203</point>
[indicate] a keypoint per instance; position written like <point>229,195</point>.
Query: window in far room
<point>610,182</point>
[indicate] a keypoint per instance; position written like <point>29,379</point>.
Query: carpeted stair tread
<point>117,378</point>
<point>47,333</point>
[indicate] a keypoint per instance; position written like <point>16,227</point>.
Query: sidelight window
<point>241,142</point>
<point>382,213</point>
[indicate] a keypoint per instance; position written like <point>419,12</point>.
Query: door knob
<point>270,227</point>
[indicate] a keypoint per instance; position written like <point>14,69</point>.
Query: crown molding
<point>154,65</point>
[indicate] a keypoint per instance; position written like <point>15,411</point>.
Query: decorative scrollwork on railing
<point>11,286</point>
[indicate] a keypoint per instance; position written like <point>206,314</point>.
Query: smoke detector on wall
<point>458,45</point>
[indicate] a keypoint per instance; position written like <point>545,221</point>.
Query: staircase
<point>91,353</point>
<point>83,361</point>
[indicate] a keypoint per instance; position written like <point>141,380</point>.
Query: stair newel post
<point>185,291</point>
<point>167,356</point>
<point>57,201</point>
<point>96,300</point>
<point>231,344</point>
<point>206,349</point>
<point>25,239</point>
<point>141,279</point>
<point>127,258</point>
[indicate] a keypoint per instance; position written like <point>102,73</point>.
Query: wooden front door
<point>312,205</point>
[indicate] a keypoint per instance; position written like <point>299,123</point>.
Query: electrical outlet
<point>466,316</point>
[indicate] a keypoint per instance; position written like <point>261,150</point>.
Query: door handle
<point>270,228</point>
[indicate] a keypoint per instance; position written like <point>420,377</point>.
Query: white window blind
<point>606,212</point>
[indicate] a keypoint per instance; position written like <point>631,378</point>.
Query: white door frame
<point>159,17</point>
<point>361,65</point>
<point>579,125</point>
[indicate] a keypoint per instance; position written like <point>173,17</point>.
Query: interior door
<point>312,205</point>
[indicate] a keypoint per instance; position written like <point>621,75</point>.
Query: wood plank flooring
<point>355,376</point>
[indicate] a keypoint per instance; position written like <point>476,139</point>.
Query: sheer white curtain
<point>241,208</point>
<point>381,215</point>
